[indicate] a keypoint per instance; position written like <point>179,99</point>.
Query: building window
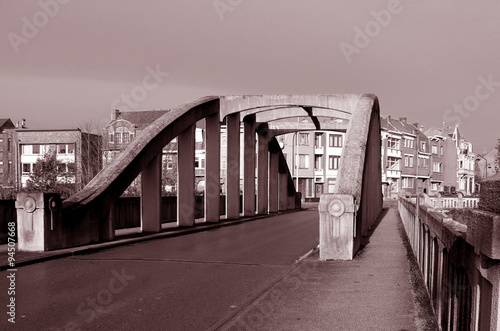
<point>407,182</point>
<point>27,149</point>
<point>61,149</point>
<point>317,140</point>
<point>393,163</point>
<point>317,162</point>
<point>71,149</point>
<point>118,137</point>
<point>409,161</point>
<point>393,143</point>
<point>442,150</point>
<point>435,186</point>
<point>36,149</point>
<point>335,140</point>
<point>408,143</point>
<point>170,161</point>
<point>423,146</point>
<point>26,168</point>
<point>422,162</point>
<point>9,143</point>
<point>434,149</point>
<point>303,161</point>
<point>333,162</point>
<point>304,139</point>
<point>436,167</point>
<point>126,137</point>
<point>331,185</point>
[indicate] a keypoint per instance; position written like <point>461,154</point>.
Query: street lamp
<point>485,166</point>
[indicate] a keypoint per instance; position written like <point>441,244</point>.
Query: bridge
<point>464,293</point>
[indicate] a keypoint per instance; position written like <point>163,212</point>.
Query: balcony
<point>393,173</point>
<point>319,150</point>
<point>467,172</point>
<point>393,153</point>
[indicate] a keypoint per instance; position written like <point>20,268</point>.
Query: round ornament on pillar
<point>29,205</point>
<point>336,208</point>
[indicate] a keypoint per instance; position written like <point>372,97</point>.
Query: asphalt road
<point>191,282</point>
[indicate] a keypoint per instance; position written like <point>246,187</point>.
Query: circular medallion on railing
<point>336,208</point>
<point>29,205</point>
<point>54,204</point>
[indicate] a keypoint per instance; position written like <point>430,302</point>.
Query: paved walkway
<point>379,290</point>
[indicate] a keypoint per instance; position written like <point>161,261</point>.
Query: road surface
<point>191,282</point>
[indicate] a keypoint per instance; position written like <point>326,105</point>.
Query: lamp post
<point>485,166</point>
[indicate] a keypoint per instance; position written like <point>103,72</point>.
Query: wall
<point>459,261</point>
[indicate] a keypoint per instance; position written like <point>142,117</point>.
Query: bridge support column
<point>262,174</point>
<point>212,171</point>
<point>151,196</point>
<point>337,226</point>
<point>233,166</point>
<point>273,180</point>
<point>249,166</point>
<point>186,177</point>
<point>283,191</point>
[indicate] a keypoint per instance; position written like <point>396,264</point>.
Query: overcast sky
<point>68,62</point>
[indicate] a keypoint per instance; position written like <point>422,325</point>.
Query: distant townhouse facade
<point>400,158</point>
<point>79,152</point>
<point>313,158</point>
<point>7,154</point>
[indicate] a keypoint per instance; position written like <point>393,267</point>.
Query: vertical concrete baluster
<point>212,173</point>
<point>262,174</point>
<point>249,166</point>
<point>186,177</point>
<point>273,181</point>
<point>151,196</point>
<point>233,166</point>
<point>283,191</point>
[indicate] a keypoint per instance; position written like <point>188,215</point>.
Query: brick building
<point>75,149</point>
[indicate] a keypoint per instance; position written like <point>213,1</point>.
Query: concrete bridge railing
<point>87,216</point>
<point>348,213</point>
<point>460,263</point>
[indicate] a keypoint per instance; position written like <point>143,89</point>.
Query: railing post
<point>212,171</point>
<point>38,221</point>
<point>186,177</point>
<point>337,219</point>
<point>233,166</point>
<point>151,196</point>
<point>249,166</point>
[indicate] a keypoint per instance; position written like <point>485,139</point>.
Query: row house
<point>430,162</point>
<point>313,158</point>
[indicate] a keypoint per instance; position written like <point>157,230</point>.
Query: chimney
<point>403,120</point>
<point>114,114</point>
<point>23,123</point>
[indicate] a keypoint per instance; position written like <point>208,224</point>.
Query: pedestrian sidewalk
<point>381,289</point>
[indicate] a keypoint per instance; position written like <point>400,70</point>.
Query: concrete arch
<point>85,216</point>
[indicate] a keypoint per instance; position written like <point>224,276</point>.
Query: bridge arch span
<point>87,216</point>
